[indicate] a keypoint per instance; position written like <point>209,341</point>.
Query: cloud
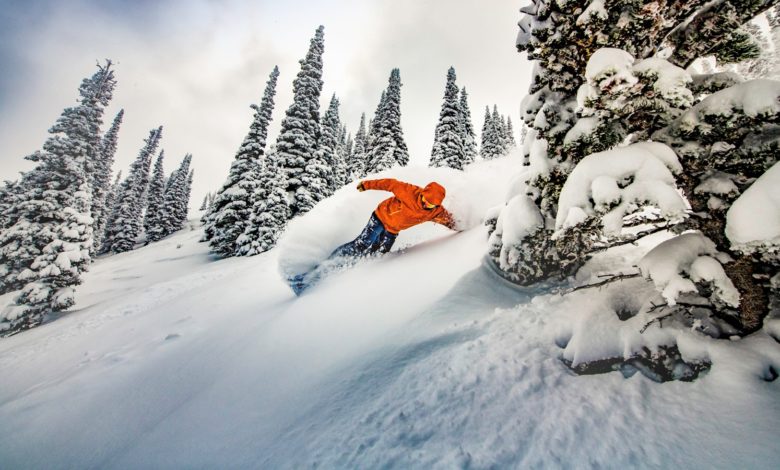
<point>195,66</point>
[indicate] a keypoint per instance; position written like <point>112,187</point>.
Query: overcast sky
<point>195,66</point>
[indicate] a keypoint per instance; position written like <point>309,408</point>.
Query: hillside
<point>420,359</point>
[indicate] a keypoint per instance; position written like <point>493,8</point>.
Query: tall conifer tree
<point>388,147</point>
<point>270,212</point>
<point>469,135</point>
<point>101,180</point>
<point>300,133</point>
<point>229,215</point>
<point>357,162</point>
<point>154,206</point>
<point>125,223</point>
<point>46,246</point>
<point>448,146</point>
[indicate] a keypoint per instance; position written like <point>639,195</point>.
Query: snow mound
<point>693,255</point>
<point>520,219</point>
<point>753,221</point>
<point>611,63</point>
<point>311,238</point>
<point>753,98</point>
<point>617,182</point>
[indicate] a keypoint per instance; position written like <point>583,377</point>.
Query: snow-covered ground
<point>421,359</point>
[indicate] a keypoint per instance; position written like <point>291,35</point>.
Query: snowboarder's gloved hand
<point>360,187</point>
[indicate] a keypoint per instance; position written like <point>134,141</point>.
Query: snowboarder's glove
<point>360,187</point>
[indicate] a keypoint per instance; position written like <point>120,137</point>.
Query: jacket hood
<point>434,193</point>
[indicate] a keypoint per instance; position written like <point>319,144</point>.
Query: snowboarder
<point>410,205</point>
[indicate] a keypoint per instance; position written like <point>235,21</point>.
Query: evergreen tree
<point>184,208</point>
<point>46,246</point>
<point>371,133</point>
<point>448,146</point>
<point>8,194</point>
<point>205,204</point>
<point>607,57</point>
<point>125,223</point>
<point>175,203</point>
<point>154,206</point>
<point>491,145</point>
<point>469,135</point>
<point>387,146</point>
<point>111,197</point>
<point>500,131</point>
<point>101,180</point>
<point>349,149</point>
<point>227,218</point>
<point>270,212</point>
<point>510,133</point>
<point>357,162</point>
<point>300,132</point>
<point>329,147</point>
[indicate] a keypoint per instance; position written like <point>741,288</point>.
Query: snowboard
<point>304,281</point>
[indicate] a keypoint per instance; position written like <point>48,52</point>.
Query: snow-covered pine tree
<point>328,147</point>
<point>388,147</point>
<point>372,131</point>
<point>227,218</point>
<point>124,225</point>
<point>449,149</point>
<point>8,194</point>
<point>184,208</point>
<point>176,198</point>
<point>490,147</point>
<point>300,132</point>
<point>205,204</point>
<point>349,149</point>
<point>598,83</point>
<point>510,133</point>
<point>270,212</point>
<point>357,163</point>
<point>469,135</point>
<point>499,121</point>
<point>154,205</point>
<point>46,246</point>
<point>101,180</point>
<point>111,199</point>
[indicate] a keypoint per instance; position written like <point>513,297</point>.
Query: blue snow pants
<point>374,238</point>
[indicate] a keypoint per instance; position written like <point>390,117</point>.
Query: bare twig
<point>660,318</point>
<point>610,279</point>
<point>632,238</point>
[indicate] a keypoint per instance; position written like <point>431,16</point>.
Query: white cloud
<point>195,67</point>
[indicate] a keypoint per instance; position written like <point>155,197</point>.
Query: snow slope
<point>417,360</point>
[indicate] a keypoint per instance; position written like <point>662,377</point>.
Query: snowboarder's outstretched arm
<point>399,188</point>
<point>445,218</point>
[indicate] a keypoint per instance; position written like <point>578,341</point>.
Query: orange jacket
<point>405,209</point>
